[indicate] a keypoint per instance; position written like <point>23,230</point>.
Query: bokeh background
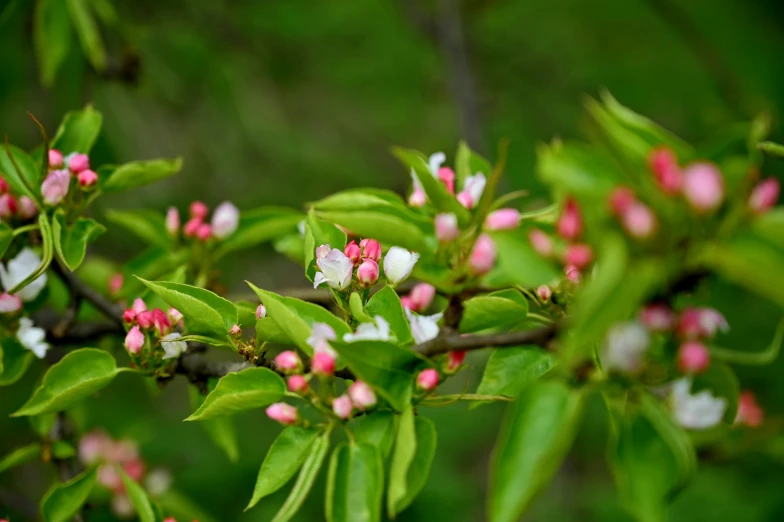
<point>273,102</point>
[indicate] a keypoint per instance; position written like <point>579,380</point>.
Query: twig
<point>539,336</point>
<point>111,310</point>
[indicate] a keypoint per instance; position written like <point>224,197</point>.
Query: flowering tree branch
<point>539,337</point>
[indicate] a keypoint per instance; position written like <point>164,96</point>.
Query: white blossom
<point>172,346</point>
<point>32,337</point>
<point>336,270</point>
<point>19,268</point>
<point>435,161</point>
<point>474,186</point>
<point>624,347</point>
<point>398,264</point>
<point>320,335</point>
<point>423,327</point>
<point>225,220</point>
<point>377,331</point>
<point>695,411</point>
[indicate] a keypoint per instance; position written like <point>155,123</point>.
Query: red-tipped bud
<point>323,364</point>
<point>134,340</point>
<point>639,221</point>
<point>173,221</point>
<point>55,159</point>
<point>115,283</point>
<point>570,224</point>
<point>578,255</point>
<point>701,323</point>
<point>657,318</point>
<point>749,411</point>
<point>573,273</point>
<point>446,227</point>
<point>4,187</point>
<point>367,273</point>
<point>297,384</point>
<point>544,293</point>
<point>134,469</point>
<point>342,406</point>
<point>703,187</point>
<point>693,357</point>
<point>447,177</point>
<point>78,162</point>
<point>621,199</point>
<point>129,316</point>
<point>664,166</point>
<point>174,316</point>
<point>482,258</point>
<point>353,252</point>
<point>7,206</point>
<point>288,362</point>
<point>371,249</point>
<point>261,312</point>
<point>87,178</point>
<point>541,242</point>
<point>764,195</point>
<point>161,322</point>
<point>283,413</point>
<point>503,219</point>
<point>145,319</point>
<point>421,297</point>
<point>362,395</point>
<point>427,380</point>
<point>138,305</point>
<point>204,232</point>
<point>454,360</point>
<point>9,304</point>
<point>235,331</point>
<point>27,208</point>
<point>407,302</point>
<point>465,199</point>
<point>199,210</point>
<point>192,226</point>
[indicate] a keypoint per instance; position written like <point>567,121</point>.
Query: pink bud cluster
<point>637,219</point>
<point>61,169</point>
<point>11,206</point>
<point>140,319</point>
<point>225,220</point>
<point>359,396</point>
<point>575,256</point>
<point>96,448</point>
<point>365,257</point>
<point>750,413</point>
<point>701,183</point>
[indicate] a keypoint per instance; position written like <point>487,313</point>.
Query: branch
<point>79,289</point>
<point>539,337</point>
<point>66,468</point>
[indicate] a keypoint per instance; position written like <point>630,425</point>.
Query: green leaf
<point>52,36</point>
<point>6,238</point>
<point>295,317</point>
<point>78,375</point>
<point>405,450</point>
<point>419,468</point>
<point>284,458</point>
<point>138,497</point>
<point>762,357</point>
<point>492,311</point>
<point>357,310</point>
<point>71,242</point>
<point>385,366</point>
<point>180,506</point>
<point>317,233</point>
<point>579,169</point>
<point>88,33</point>
<point>674,435</point>
<point>152,263</point>
<point>267,330</point>
<point>355,484</point>
<point>436,192</point>
<point>260,226</point>
<point>246,390</point>
<point>376,428</point>
<point>518,263</point>
<point>305,479</point>
<point>137,173</point>
<point>221,430</point>
<point>774,149</point>
<point>79,129</point>
<point>510,370</point>
<point>292,246</point>
<point>16,359</point>
<point>20,171</point>
<point>469,163</point>
<point>722,382</point>
<point>205,312</point>
<point>148,225</point>
<point>386,303</point>
<point>46,255</point>
<point>65,499</point>
<point>63,450</point>
<point>536,435</point>
<point>20,456</point>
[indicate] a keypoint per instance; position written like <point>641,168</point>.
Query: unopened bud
<point>446,227</point>
<point>138,305</point>
<point>161,322</point>
<point>55,159</point>
<point>362,395</point>
<point>639,221</point>
<point>417,198</point>
<point>192,226</point>
<point>421,297</point>
<point>261,312</point>
<point>657,318</point>
<point>78,162</point>
<point>27,208</point>
<point>703,187</point>
<point>225,220</point>
<point>283,413</point>
<point>173,221</point>
<point>570,224</point>
<point>693,357</point>
<point>447,177</point>
<point>701,323</point>
<point>371,249</point>
<point>353,252</point>
<point>7,206</point>
<point>129,316</point>
<point>764,195</point>
<point>503,219</point>
<point>454,360</point>
<point>87,178</point>
<point>323,364</point>
<point>288,362</point>
<point>235,331</point>
<point>297,383</point>
<point>4,187</point>
<point>578,255</point>
<point>464,198</point>
<point>482,258</point>
<point>115,283</point>
<point>9,304</point>
<point>544,293</point>
<point>621,198</point>
<point>541,242</point>
<point>572,273</point>
<point>342,406</point>
<point>134,340</point>
<point>367,273</point>
<point>664,165</point>
<point>749,411</point>
<point>204,232</point>
<point>199,210</point>
<point>427,380</point>
<point>55,186</point>
<point>174,316</point>
<point>145,319</point>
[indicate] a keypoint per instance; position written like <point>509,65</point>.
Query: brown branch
<point>66,468</point>
<point>539,337</point>
<point>111,310</point>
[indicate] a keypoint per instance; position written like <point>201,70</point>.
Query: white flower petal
<point>32,337</point>
<point>695,411</point>
<point>423,327</point>
<point>398,264</point>
<point>435,161</point>
<point>24,264</point>
<point>172,347</point>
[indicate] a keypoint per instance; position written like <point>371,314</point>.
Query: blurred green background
<point>284,102</point>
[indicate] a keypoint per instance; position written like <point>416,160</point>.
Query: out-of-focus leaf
<point>492,311</point>
<point>355,484</point>
<point>6,238</point>
<point>405,450</point>
<point>722,382</point>
<point>148,225</point>
<point>139,499</point>
<point>221,429</point>
<point>518,263</point>
<point>20,456</point>
<point>235,392</point>
<point>79,129</point>
<point>88,33</point>
<point>62,502</point>
<point>578,169</point>
<point>510,370</point>
<point>20,171</point>
<point>52,36</point>
<point>260,226</point>
<point>112,178</point>
<point>71,242</point>
<point>419,468</point>
<point>16,359</point>
<point>376,428</point>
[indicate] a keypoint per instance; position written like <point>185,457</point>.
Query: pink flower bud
<point>55,186</point>
<point>283,413</point>
<point>173,221</point>
<point>78,163</point>
<point>446,227</point>
<point>503,219</point>
<point>169,519</point>
<point>454,360</point>
<point>703,187</point>
<point>145,319</point>
<point>693,357</point>
<point>174,316</point>
<point>367,273</point>
<point>407,302</point>
<point>621,198</point>
<point>134,469</point>
<point>4,187</point>
<point>639,221</point>
<point>7,206</point>
<point>297,384</point>
<point>749,411</point>
<point>204,232</point>
<point>578,255</point>
<point>764,195</point>
<point>93,446</point>
<point>27,208</point>
<point>421,297</point>
<point>225,220</point>
<point>541,242</point>
<point>371,249</point>
<point>161,322</point>
<point>87,178</point>
<point>134,340</point>
<point>701,323</point>
<point>199,210</point>
<point>261,312</point>
<point>129,316</point>
<point>235,331</point>
<point>342,406</point>
<point>115,283</point>
<point>138,305</point>
<point>572,273</point>
<point>108,476</point>
<point>464,198</point>
<point>55,159</point>
<point>482,256</point>
<point>192,227</point>
<point>288,362</point>
<point>9,304</point>
<point>657,317</point>
<point>323,364</point>
<point>417,198</point>
<point>427,380</point>
<point>353,252</point>
<point>123,451</point>
<point>664,165</point>
<point>362,395</point>
<point>570,224</point>
<point>544,293</point>
<point>447,177</point>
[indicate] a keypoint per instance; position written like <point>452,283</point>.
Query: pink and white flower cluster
<point>224,222</point>
<point>62,169</point>
<point>142,322</point>
<point>359,262</point>
<point>14,206</point>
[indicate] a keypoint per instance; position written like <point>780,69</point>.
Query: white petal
<point>318,279</point>
<point>435,161</point>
